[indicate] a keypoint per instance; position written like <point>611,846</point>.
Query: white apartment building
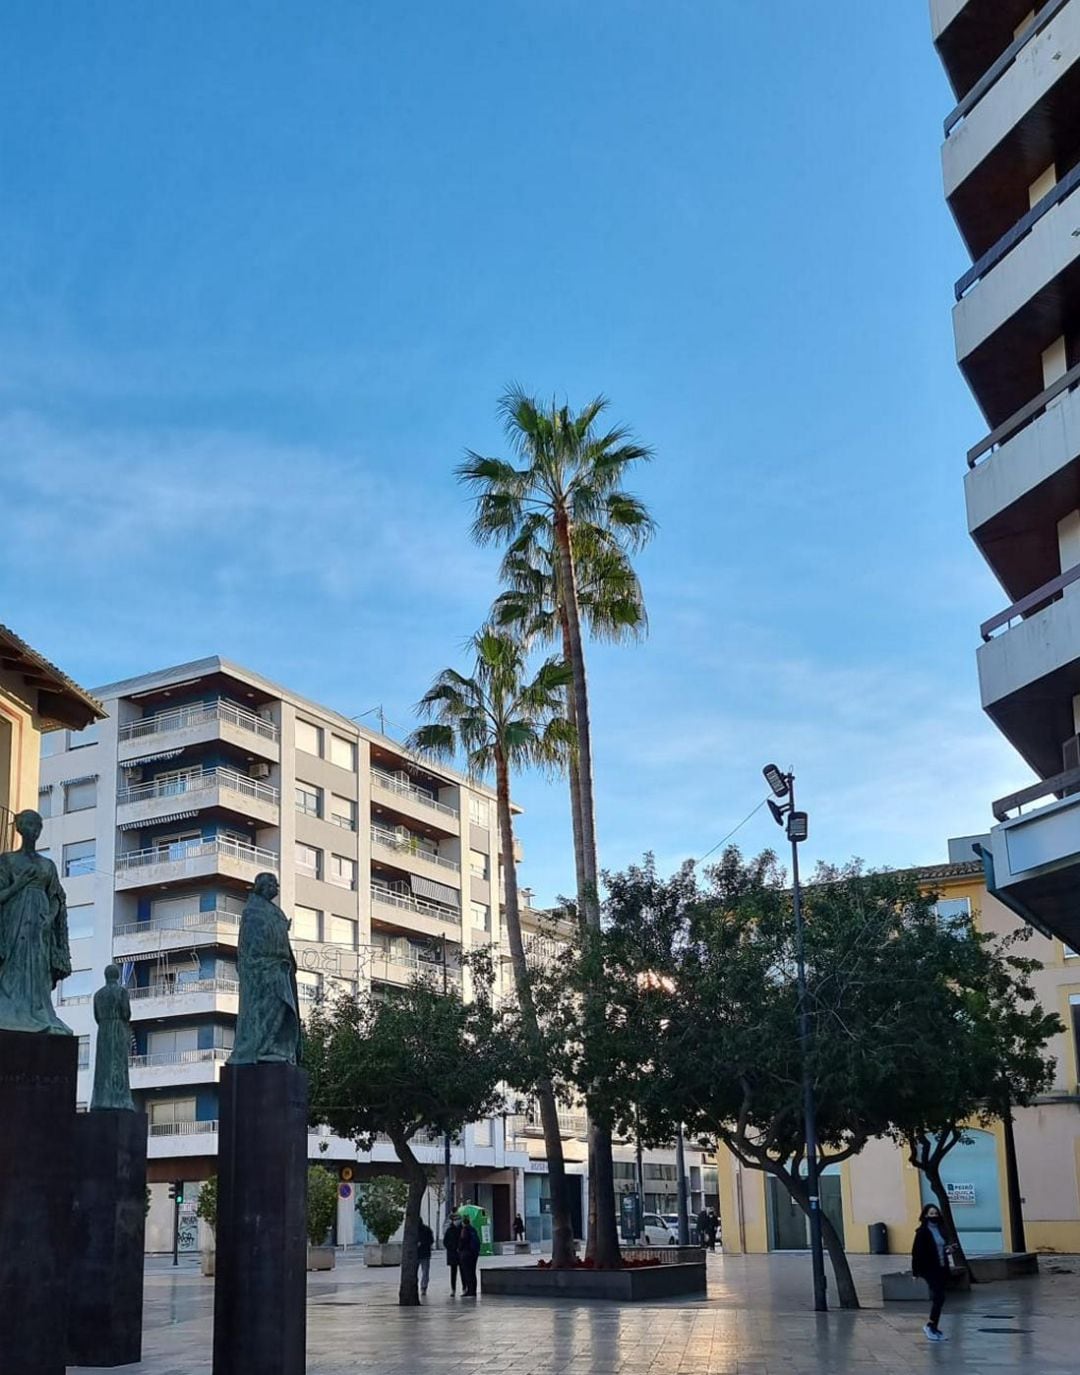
<point>1011,161</point>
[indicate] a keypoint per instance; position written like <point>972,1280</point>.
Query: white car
<point>659,1231</point>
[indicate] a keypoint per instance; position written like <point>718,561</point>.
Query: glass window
<point>344,931</point>
<point>478,863</point>
<point>79,739</point>
<point>78,858</point>
<point>80,797</point>
<point>480,915</point>
<point>342,871</point>
<point>309,860</point>
<point>343,812</point>
<point>479,811</point>
<point>308,985</point>
<point>482,1132</point>
<point>78,984</point>
<point>169,1111</point>
<point>84,1052</point>
<point>953,911</point>
<point>306,923</point>
<point>44,804</point>
<point>173,1042</point>
<point>81,921</point>
<point>308,738</point>
<point>308,799</point>
<point>343,753</point>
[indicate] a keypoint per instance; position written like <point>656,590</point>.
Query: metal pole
<point>640,1176</point>
<point>448,1181</point>
<point>817,1250</point>
<point>1012,1180</point>
<point>680,1170</point>
<point>176,1225</point>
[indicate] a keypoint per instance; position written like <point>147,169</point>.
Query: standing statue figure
<point>34,951</point>
<point>268,1025</point>
<point>112,1012</point>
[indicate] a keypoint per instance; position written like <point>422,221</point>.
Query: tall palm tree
<point>501,722</point>
<point>570,481</point>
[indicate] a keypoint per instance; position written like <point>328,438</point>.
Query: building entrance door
<point>789,1227</point>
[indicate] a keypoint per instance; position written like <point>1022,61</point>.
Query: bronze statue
<point>268,1025</point>
<point>112,1012</point>
<point>34,951</point>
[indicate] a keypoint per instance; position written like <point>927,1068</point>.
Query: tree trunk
<point>574,775</point>
<point>932,1170</point>
<point>845,1285</point>
<point>605,1252</point>
<point>409,1283</point>
<point>562,1232</point>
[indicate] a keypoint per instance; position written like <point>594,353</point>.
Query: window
<point>480,915</point>
<point>168,1112</point>
<point>343,812</point>
<point>53,742</point>
<point>308,738</point>
<point>81,921</point>
<point>482,1132</point>
<point>309,860</point>
<point>308,986</point>
<point>343,753</point>
<point>84,1052</point>
<point>80,796</point>
<point>308,799</point>
<point>306,923</point>
<point>479,811</point>
<point>342,871</point>
<point>173,1042</point>
<point>344,931</point>
<point>78,986</point>
<point>78,858</point>
<point>79,739</point>
<point>44,803</point>
<point>478,863</point>
<point>953,911</point>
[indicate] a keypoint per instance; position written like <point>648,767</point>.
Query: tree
<point>322,1196</point>
<point>501,721</point>
<point>420,1061</point>
<point>570,481</point>
<point>206,1208</point>
<point>381,1204</point>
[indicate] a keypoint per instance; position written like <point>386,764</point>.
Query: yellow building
<point>35,697</point>
<point>880,1185</point>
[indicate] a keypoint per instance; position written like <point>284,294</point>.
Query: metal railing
<point>194,921</point>
<point>1024,416</point>
<point>1059,786</point>
<point>994,74</point>
<point>201,780</point>
<point>198,714</point>
<point>390,840</point>
<point>212,1055</point>
<point>182,851</point>
<point>382,779</point>
<point>208,1128</point>
<point>570,1124</point>
<point>185,990</point>
<point>1038,600</point>
<point>410,904</point>
<point>381,963</point>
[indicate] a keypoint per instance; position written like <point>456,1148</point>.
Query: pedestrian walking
<point>714,1227</point>
<point>469,1251</point>
<point>452,1242</point>
<point>930,1261</point>
<point>519,1228</point>
<point>703,1228</point>
<point>425,1240</point>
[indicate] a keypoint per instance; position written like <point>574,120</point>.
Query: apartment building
<point>1011,161</point>
<point>880,1185</point>
<point>159,818</point>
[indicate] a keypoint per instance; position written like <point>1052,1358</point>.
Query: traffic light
<point>176,1192</point>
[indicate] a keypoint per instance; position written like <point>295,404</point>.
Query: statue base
<point>105,1286</point>
<point>260,1280</point>
<point>38,1075</point>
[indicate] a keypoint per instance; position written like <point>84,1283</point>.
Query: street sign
<point>345,1190</point>
<point>346,1174</point>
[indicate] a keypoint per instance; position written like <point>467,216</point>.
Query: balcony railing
<point>214,1055</point>
<point>570,1124</point>
<point>208,1128</point>
<point>202,780</point>
<point>390,840</point>
<point>1024,416</point>
<point>1035,601</point>
<point>1002,65</point>
<point>193,921</point>
<point>197,849</point>
<point>198,714</point>
<point>382,779</point>
<point>186,990</point>
<point>383,960</point>
<point>1060,785</point>
<point>410,904</point>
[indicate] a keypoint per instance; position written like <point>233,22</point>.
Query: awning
<point>150,759</point>
<point>174,957</point>
<point>155,821</point>
<point>45,788</point>
<point>435,892</point>
<point>83,778</point>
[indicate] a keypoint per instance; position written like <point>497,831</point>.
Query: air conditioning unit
<point>259,770</point>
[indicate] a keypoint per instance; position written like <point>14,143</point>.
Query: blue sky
<point>264,270</point>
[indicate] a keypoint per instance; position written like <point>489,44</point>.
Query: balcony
<point>415,913</point>
<point>167,1140</point>
<point>414,801</point>
<point>168,1068</point>
<point>197,997</point>
<point>386,967</point>
<point>143,938</point>
<point>408,853</point>
<point>198,724</point>
<point>973,36</point>
<point>571,1124</point>
<point>188,860</point>
<point>146,803</point>
<point>1033,862</point>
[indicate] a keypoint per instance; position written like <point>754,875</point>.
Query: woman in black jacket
<point>930,1261</point>
<point>452,1242</point>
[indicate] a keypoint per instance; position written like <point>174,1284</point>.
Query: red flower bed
<point>590,1264</point>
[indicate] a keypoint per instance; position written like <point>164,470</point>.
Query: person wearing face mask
<point>930,1261</point>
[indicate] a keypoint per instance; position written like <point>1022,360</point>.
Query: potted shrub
<point>206,1209</point>
<point>322,1196</point>
<point>381,1204</point>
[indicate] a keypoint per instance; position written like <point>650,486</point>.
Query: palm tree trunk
<point>409,1283</point>
<point>575,776</point>
<point>562,1232</point>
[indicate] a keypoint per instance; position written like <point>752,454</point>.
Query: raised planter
<point>388,1253</point>
<point>901,1286</point>
<point>321,1257</point>
<point>1003,1265</point>
<point>208,1260</point>
<point>512,1248</point>
<point>636,1285</point>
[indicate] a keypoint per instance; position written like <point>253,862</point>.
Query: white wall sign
<point>961,1195</point>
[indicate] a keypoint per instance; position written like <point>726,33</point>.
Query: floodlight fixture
<point>776,780</point>
<point>798,827</point>
<point>778,812</point>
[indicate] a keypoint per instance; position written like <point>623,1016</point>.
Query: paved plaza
<point>754,1322</point>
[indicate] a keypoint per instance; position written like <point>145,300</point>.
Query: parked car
<point>660,1230</point>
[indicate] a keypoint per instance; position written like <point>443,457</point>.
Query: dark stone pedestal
<point>260,1283</point>
<point>37,1121</point>
<point>105,1287</point>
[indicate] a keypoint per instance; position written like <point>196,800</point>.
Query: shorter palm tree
<point>501,721</point>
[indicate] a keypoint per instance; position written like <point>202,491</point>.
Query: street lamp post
<point>796,826</point>
<point>680,1171</point>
